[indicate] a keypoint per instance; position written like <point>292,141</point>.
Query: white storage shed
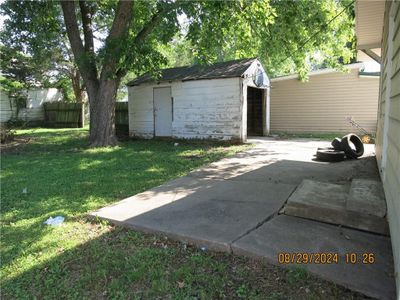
<point>227,101</point>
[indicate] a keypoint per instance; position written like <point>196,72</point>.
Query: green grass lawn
<point>92,259</point>
<point>315,136</point>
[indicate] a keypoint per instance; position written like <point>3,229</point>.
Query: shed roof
<point>228,69</point>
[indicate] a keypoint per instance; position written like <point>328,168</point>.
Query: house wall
<point>324,102</point>
<point>368,29</point>
<point>6,108</point>
<point>34,105</point>
<point>202,109</point>
<point>388,127</point>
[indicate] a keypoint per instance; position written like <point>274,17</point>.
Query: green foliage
<point>288,36</point>
<point>221,30</point>
<point>178,52</point>
<point>35,31</point>
<point>17,67</point>
<point>9,85</point>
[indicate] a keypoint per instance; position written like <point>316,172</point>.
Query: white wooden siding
<point>324,102</point>
<point>140,107</point>
<point>202,109</point>
<point>388,131</point>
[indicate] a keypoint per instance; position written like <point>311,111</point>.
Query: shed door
<point>254,111</point>
<point>162,111</point>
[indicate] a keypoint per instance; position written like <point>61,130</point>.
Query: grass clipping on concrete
<point>55,173</point>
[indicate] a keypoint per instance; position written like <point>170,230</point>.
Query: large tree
<point>132,42</point>
<point>35,28</point>
<point>111,38</point>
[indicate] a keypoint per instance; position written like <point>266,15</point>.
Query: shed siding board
<point>141,117</point>
<point>324,102</point>
<point>201,109</point>
<point>388,129</point>
<point>206,109</point>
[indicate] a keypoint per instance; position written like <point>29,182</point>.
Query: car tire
<point>325,148</point>
<point>356,141</point>
<point>337,144</point>
<point>330,155</point>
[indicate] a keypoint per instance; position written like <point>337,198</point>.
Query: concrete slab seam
<point>262,222</point>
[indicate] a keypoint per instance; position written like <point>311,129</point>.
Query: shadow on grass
<point>124,264</point>
<point>62,176</point>
<point>84,260</point>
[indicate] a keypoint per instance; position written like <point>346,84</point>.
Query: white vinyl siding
<point>369,27</point>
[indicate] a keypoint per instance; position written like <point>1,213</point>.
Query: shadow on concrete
<point>233,205</point>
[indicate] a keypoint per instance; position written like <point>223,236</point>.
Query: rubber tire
<point>325,148</point>
<point>337,144</point>
<point>330,155</point>
<point>350,153</point>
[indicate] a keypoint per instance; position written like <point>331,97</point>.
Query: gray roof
<point>228,69</point>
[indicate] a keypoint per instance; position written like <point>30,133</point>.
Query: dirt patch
<point>15,145</point>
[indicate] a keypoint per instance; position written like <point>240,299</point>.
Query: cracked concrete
<point>233,205</point>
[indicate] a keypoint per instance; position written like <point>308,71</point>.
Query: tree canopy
<point>288,36</point>
<point>35,29</point>
<point>110,39</point>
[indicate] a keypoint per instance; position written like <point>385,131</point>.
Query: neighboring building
<point>228,101</point>
<point>325,102</point>
<point>33,110</point>
<point>378,26</point>
<point>6,107</point>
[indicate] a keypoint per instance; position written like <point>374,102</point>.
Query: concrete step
<point>350,206</point>
<point>367,196</point>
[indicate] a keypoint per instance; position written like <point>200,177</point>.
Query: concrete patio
<point>234,205</point>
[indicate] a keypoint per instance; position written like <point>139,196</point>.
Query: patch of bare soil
<point>14,145</point>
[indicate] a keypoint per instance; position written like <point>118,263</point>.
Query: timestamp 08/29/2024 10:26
<point>325,258</point>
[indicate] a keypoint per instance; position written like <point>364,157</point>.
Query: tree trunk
<point>102,114</point>
<point>76,86</point>
<point>101,90</point>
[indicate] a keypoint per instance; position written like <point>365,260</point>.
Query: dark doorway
<point>254,111</point>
